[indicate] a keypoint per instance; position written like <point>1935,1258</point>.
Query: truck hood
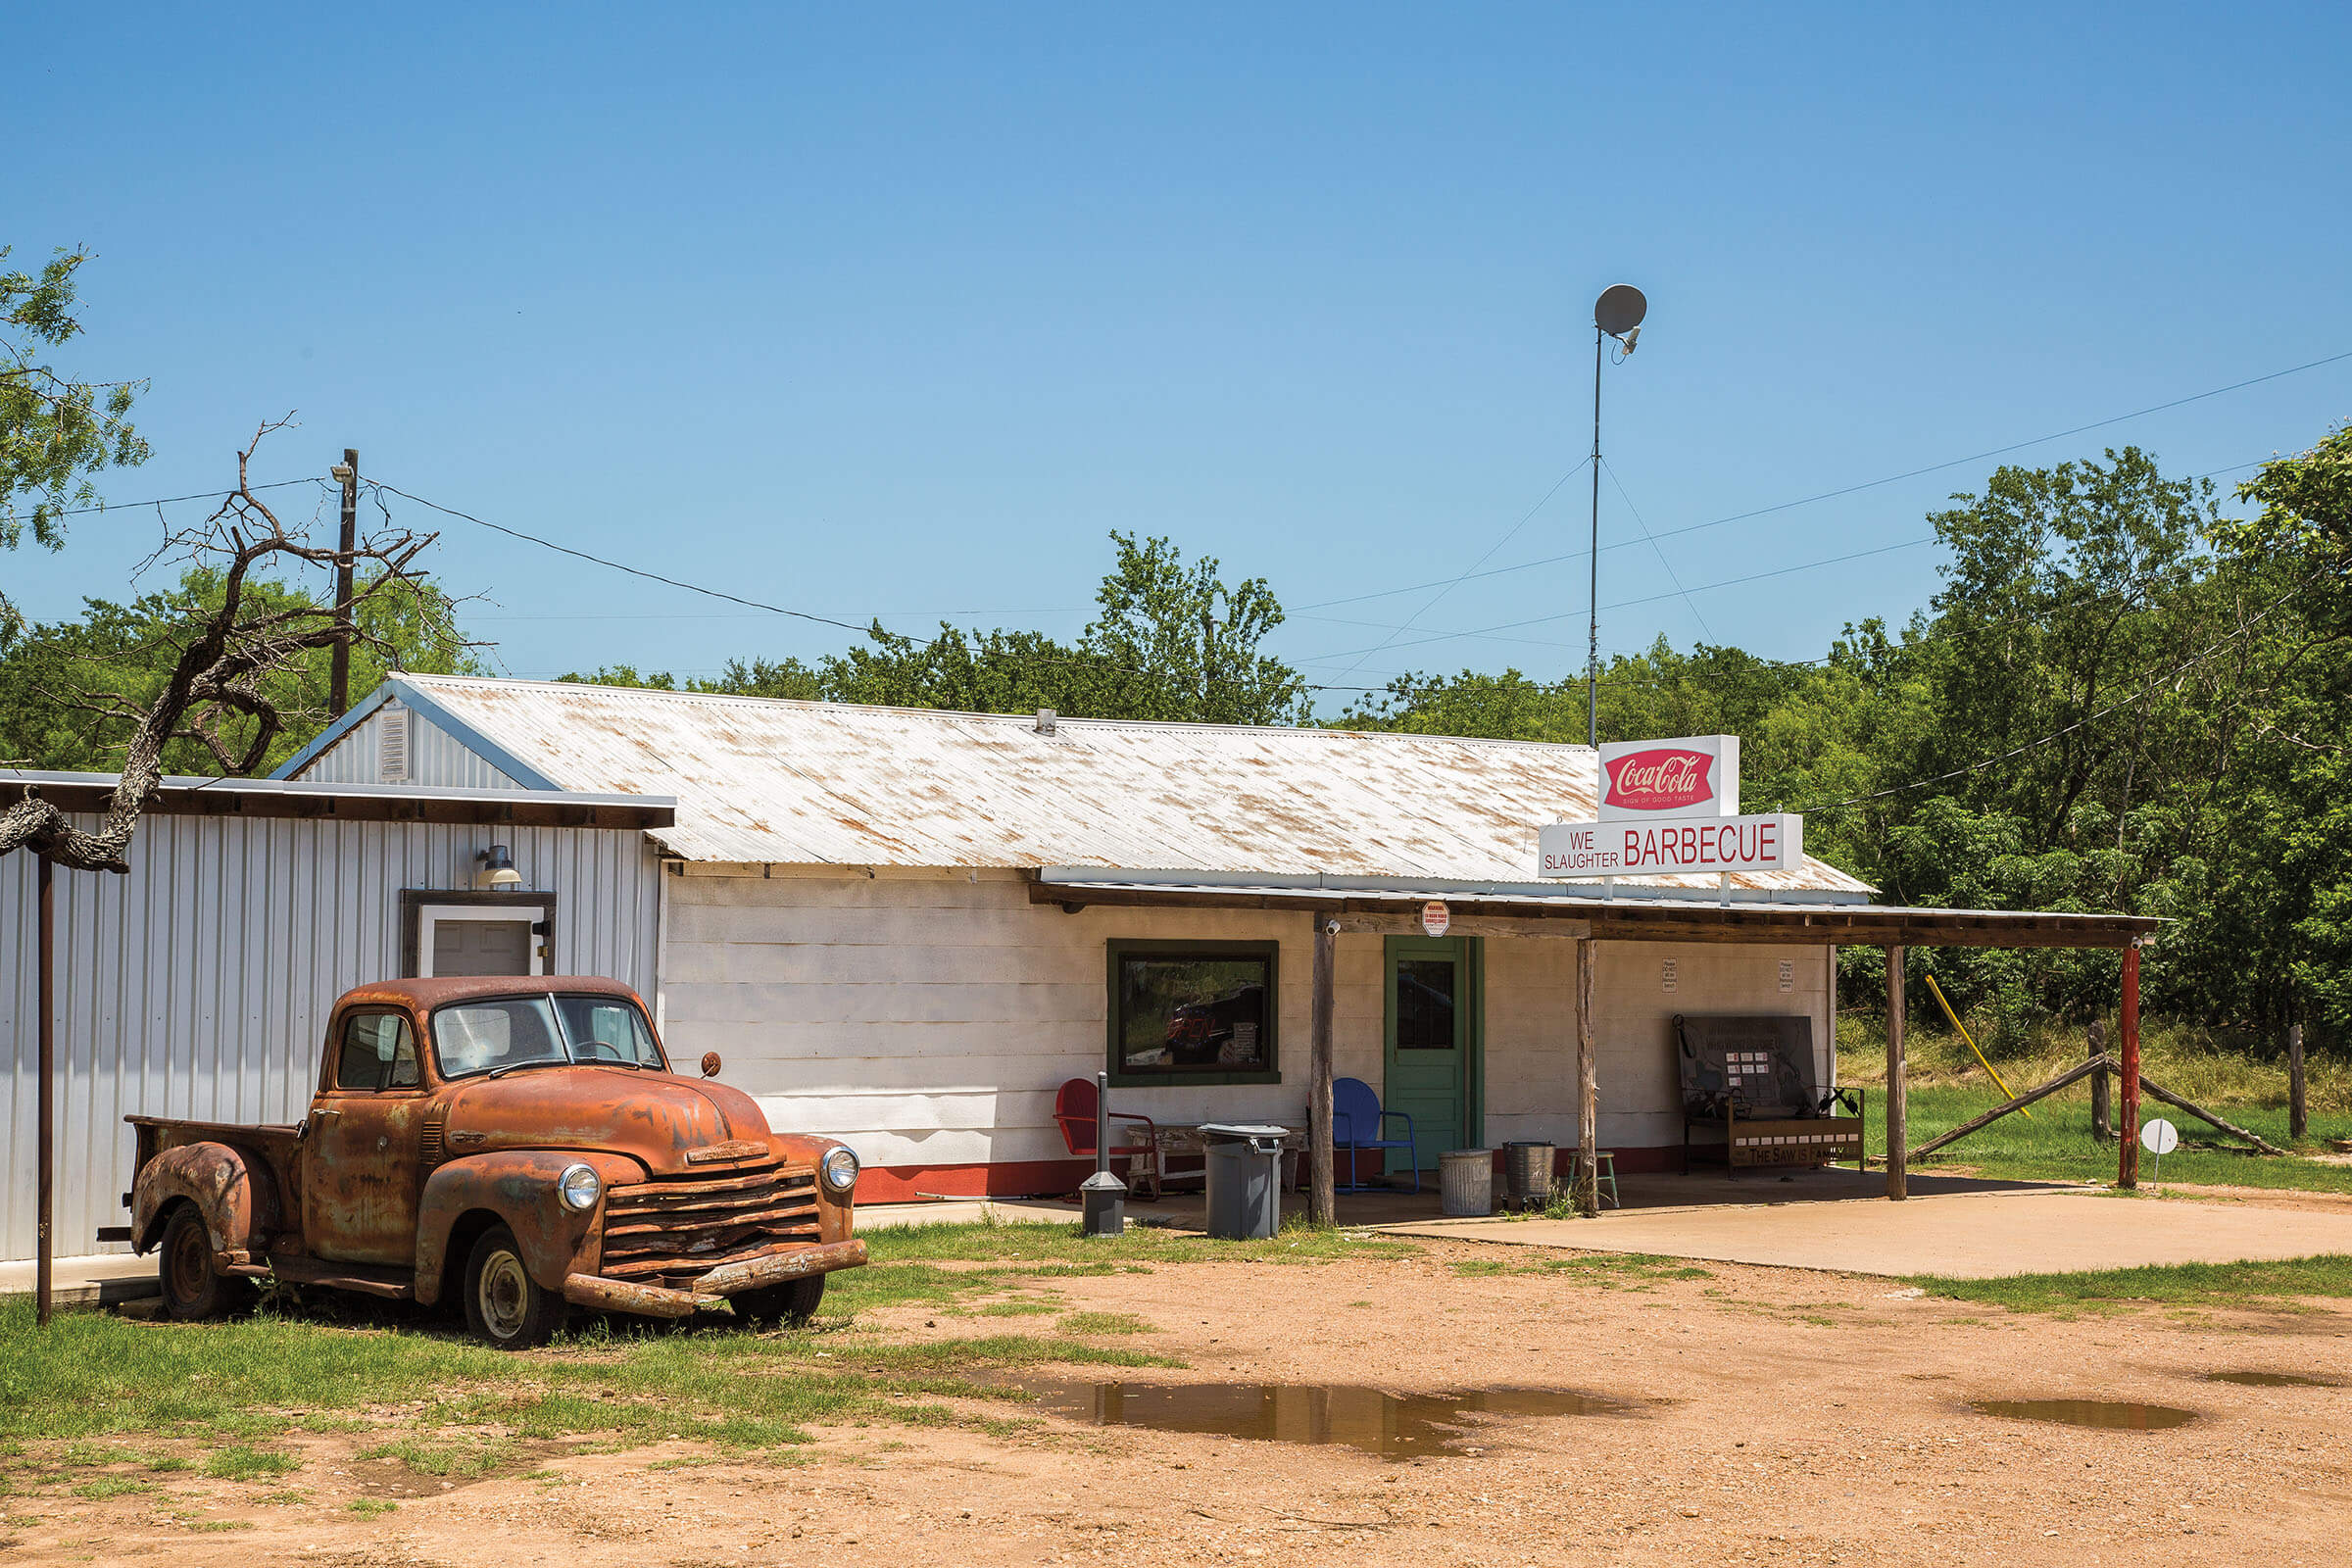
<point>653,1117</point>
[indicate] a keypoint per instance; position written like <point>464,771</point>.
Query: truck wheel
<point>789,1304</point>
<point>193,1288</point>
<point>503,1305</point>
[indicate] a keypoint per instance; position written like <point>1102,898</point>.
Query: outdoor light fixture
<point>497,869</point>
<point>341,473</point>
<point>1618,314</point>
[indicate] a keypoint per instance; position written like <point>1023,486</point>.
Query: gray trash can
<point>1527,1166</point>
<point>1466,1181</point>
<point>1244,1181</point>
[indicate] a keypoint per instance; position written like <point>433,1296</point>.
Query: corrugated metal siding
<point>199,984</point>
<point>829,784</point>
<point>437,760</point>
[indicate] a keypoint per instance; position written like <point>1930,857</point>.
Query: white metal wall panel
<point>199,984</point>
<point>437,760</point>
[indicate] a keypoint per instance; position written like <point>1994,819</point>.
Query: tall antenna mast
<point>1617,313</point>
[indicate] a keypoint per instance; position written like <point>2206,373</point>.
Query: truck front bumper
<point>713,1287</point>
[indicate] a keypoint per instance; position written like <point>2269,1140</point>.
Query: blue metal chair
<point>1358,1123</point>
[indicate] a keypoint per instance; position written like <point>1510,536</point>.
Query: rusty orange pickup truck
<point>519,1145</point>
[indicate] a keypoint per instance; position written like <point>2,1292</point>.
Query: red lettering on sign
<point>1662,779</point>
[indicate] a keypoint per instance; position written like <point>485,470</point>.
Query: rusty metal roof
<point>765,781</point>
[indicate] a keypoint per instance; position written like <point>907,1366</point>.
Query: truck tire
<point>790,1304</point>
<point>505,1306</point>
<point>194,1288</point>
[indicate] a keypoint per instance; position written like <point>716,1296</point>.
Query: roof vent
<point>1046,718</point>
<point>392,744</point>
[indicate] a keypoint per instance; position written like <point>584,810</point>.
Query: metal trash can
<point>1526,1167</point>
<point>1466,1181</point>
<point>1244,1181</point>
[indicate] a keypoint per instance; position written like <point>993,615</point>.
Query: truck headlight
<point>840,1168</point>
<point>578,1187</point>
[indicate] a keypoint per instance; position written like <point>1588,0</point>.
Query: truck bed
<point>274,1142</point>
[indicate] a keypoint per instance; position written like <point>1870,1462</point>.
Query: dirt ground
<point>1770,1416</point>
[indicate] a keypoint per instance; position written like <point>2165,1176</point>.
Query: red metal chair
<point>1074,1109</point>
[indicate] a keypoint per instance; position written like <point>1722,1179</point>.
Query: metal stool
<point>1605,1175</point>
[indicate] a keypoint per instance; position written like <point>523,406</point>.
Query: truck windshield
<point>479,1037</point>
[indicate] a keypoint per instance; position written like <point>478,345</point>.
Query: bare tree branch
<point>223,657</point>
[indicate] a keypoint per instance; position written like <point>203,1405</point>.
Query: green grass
<point>1608,1270</point>
<point>1103,1323</point>
<point>371,1508</point>
<point>2164,1283</point>
<point>469,1459</point>
<point>90,1379</point>
<point>112,1487</point>
<point>244,1463</point>
<point>2056,1145</point>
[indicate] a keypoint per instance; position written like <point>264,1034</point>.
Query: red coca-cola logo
<point>1659,780</point>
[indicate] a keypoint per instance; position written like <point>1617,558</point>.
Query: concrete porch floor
<point>1835,1219</point>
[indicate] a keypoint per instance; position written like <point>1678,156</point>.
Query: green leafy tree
<point>1171,640</point>
<point>55,431</point>
<point>68,689</point>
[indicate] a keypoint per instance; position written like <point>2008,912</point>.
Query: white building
<point>909,928</point>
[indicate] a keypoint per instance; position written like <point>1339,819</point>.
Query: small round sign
<point>1435,917</point>
<point>2159,1137</point>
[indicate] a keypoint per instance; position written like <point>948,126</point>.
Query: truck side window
<point>378,1052</point>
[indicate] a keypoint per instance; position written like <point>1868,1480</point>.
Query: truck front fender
<point>235,1197</point>
<point>518,1186</point>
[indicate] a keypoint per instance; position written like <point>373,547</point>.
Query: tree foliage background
<point>2119,700</point>
<point>2122,697</point>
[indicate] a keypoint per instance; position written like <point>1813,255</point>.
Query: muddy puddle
<point>2273,1379</point>
<point>2110,1415</point>
<point>1374,1421</point>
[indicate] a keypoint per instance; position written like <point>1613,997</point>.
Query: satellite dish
<point>1619,310</point>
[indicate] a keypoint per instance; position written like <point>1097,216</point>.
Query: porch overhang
<point>1686,916</point>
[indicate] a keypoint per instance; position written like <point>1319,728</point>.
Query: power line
<point>755,604</point>
<point>2147,690</point>
<point>614,565</point>
<point>1671,574</point>
<point>1440,595</point>
<point>163,501</point>
<point>1627,604</point>
<point>1871,484</point>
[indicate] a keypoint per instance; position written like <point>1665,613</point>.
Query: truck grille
<point>670,1230</point>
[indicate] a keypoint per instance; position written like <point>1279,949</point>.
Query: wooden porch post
<point>45,1183</point>
<point>2102,1122</point>
<point>1585,1189</point>
<point>2298,1120</point>
<point>1322,1202</point>
<point>2127,1130</point>
<point>1898,1110</point>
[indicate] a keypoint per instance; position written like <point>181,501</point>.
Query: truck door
<point>358,1157</point>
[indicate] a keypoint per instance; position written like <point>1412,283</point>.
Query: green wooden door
<point>1432,1045</point>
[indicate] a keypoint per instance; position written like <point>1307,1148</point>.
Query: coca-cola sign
<point>1663,779</point>
<point>1691,775</point>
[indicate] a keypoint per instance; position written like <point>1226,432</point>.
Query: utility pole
<point>1618,314</point>
<point>1593,622</point>
<point>338,699</point>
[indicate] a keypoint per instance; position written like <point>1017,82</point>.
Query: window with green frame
<point>1194,1012</point>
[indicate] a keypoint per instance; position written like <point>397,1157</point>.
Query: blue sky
<point>901,312</point>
